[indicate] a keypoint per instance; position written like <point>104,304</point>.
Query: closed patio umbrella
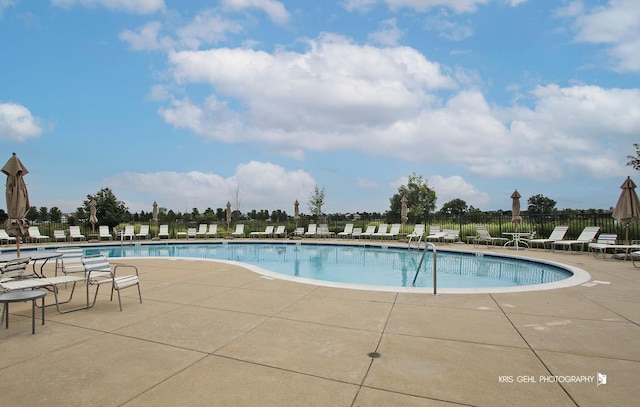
<point>403,210</point>
<point>154,214</point>
<point>17,199</point>
<point>296,212</point>
<point>228,215</point>
<point>627,209</point>
<point>515,209</point>
<point>93,218</point>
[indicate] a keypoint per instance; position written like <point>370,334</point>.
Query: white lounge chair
<point>70,262</point>
<point>347,232</point>
<point>143,233</point>
<point>382,230</point>
<point>394,231</point>
<point>75,234</point>
<point>190,233</point>
<point>11,274</point>
<point>100,272</point>
<point>268,231</point>
<point>103,232</point>
<point>59,235</point>
<point>483,236</point>
<point>163,231</point>
<point>5,238</point>
<point>357,232</point>
<point>129,232</point>
<point>435,234</point>
<point>202,230</point>
<point>281,231</point>
<point>557,234</point>
<point>312,230</point>
<point>451,235</point>
<point>213,230</point>
<point>606,242</point>
<point>417,234</point>
<point>587,236</point>
<point>371,229</point>
<point>239,232</point>
<point>323,231</point>
<point>35,235</point>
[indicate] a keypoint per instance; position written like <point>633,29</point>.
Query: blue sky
<point>196,103</point>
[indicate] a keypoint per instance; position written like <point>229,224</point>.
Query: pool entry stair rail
<point>417,240</point>
<point>433,248</point>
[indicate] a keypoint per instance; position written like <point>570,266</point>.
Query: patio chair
<point>143,233</point>
<point>103,232</point>
<point>635,256</point>
<point>435,234</point>
<point>35,235</point>
<point>587,236</point>
<point>213,230</point>
<point>417,234</point>
<point>312,230</point>
<point>483,236</point>
<point>100,272</point>
<point>604,240</point>
<point>382,230</point>
<point>163,232</point>
<point>59,235</point>
<point>557,234</point>
<point>347,231</point>
<point>393,233</point>
<point>239,232</point>
<point>12,278</point>
<point>323,231</point>
<point>5,238</point>
<point>74,233</point>
<point>357,232</point>
<point>369,231</point>
<point>70,262</point>
<point>281,231</point>
<point>129,232</point>
<point>268,231</point>
<point>190,233</point>
<point>202,230</point>
<point>451,235</point>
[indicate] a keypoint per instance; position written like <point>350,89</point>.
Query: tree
<point>540,204</point>
<point>421,200</point>
<point>316,200</point>
<point>32,214</point>
<point>109,210</point>
<point>43,214</point>
<point>454,207</point>
<point>55,214</point>
<point>634,161</point>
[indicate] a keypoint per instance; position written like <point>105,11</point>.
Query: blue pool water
<point>368,265</point>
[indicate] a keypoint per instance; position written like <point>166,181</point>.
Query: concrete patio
<point>210,333</point>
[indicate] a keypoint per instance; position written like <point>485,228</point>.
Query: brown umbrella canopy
<point>93,218</point>
<point>154,214</point>
<point>228,213</point>
<point>515,209</point>
<point>17,198</point>
<point>403,210</point>
<point>627,209</point>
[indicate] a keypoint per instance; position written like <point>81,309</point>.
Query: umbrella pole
<point>18,245</point>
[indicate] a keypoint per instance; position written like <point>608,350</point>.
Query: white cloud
<point>446,28</point>
<point>616,25</point>
<point>17,123</point>
<point>359,5</point>
<point>455,187</point>
<point>147,38</point>
<point>132,6</point>
<point>393,102</point>
<point>274,9</point>
<point>6,4</point>
<point>261,186</point>
<point>388,35</point>
<point>459,6</point>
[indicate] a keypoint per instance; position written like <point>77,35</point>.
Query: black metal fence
<point>496,224</point>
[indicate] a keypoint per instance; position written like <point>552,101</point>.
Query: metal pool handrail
<point>433,247</point>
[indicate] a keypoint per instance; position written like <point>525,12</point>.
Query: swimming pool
<point>370,267</point>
